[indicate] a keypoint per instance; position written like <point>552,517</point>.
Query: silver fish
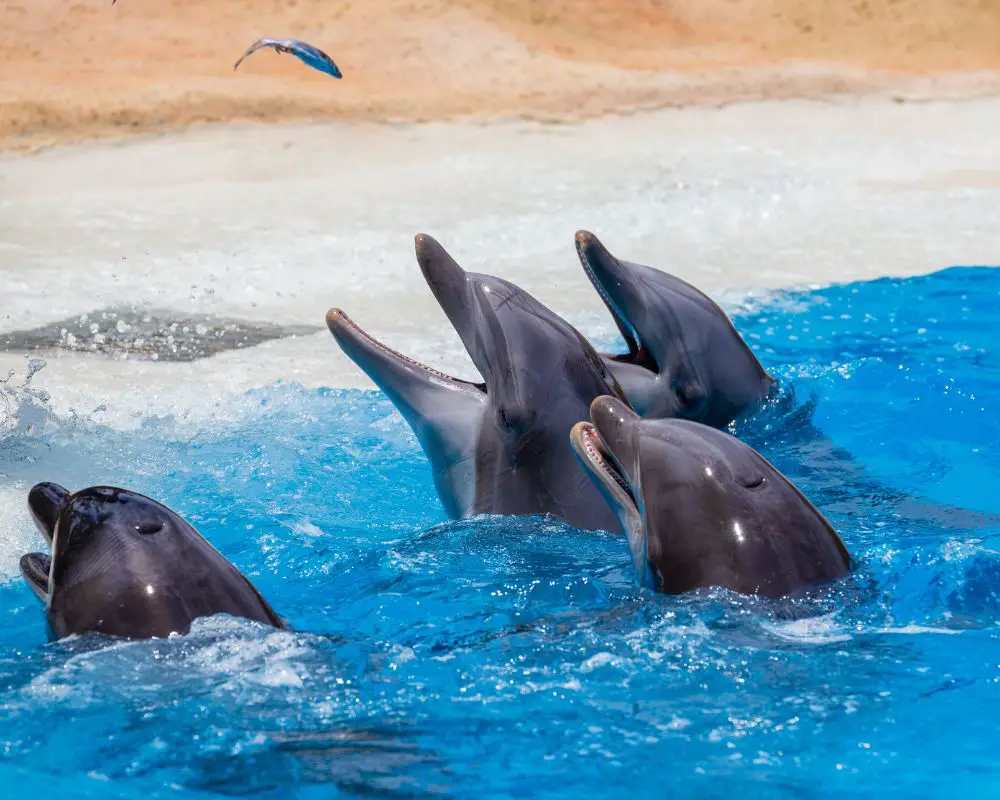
<point>306,53</point>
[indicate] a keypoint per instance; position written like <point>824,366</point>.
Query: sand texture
<point>74,69</point>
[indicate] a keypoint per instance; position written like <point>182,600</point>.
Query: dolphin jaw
<point>338,322</point>
<point>36,568</point>
<point>46,501</point>
<point>599,461</point>
<point>603,466</point>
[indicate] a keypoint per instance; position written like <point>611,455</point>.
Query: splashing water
<point>504,656</point>
<point>23,408</point>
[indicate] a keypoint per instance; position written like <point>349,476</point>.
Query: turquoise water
<point>504,657</point>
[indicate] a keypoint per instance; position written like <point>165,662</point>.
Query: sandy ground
<point>84,68</point>
<point>279,223</point>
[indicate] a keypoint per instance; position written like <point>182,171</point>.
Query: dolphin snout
<point>586,240</point>
<point>441,271</point>
<point>45,502</point>
<point>426,246</point>
<point>616,424</point>
<point>594,255</point>
<point>335,319</point>
<point>610,415</point>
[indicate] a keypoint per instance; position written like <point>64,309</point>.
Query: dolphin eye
<point>148,527</point>
<point>690,397</point>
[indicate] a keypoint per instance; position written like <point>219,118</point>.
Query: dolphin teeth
<point>595,449</point>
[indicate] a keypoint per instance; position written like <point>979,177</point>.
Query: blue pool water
<point>510,657</point>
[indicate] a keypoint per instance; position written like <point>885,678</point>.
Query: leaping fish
<point>306,53</point>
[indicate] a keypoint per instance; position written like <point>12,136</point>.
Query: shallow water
<point>505,656</point>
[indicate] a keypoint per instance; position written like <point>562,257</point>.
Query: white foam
<point>911,630</point>
<point>812,630</point>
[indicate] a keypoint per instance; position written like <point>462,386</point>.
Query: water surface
<point>501,656</point>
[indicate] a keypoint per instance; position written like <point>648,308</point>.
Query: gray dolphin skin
<point>685,358</point>
<point>501,446</point>
<point>700,508</point>
<point>125,565</point>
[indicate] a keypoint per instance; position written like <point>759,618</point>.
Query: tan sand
<point>77,70</point>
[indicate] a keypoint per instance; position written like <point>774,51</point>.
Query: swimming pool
<point>501,656</point>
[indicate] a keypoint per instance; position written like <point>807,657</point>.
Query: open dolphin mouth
<point>341,325</point>
<point>613,418</point>
<point>601,462</point>
<point>35,568</point>
<point>46,502</point>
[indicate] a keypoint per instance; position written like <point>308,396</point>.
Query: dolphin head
<point>531,359</point>
<point>125,565</point>
<point>701,508</point>
<point>685,359</point>
<point>539,377</point>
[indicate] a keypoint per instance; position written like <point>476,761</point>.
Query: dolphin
<point>500,446</point>
<point>700,508</point>
<point>125,565</point>
<point>685,358</point>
